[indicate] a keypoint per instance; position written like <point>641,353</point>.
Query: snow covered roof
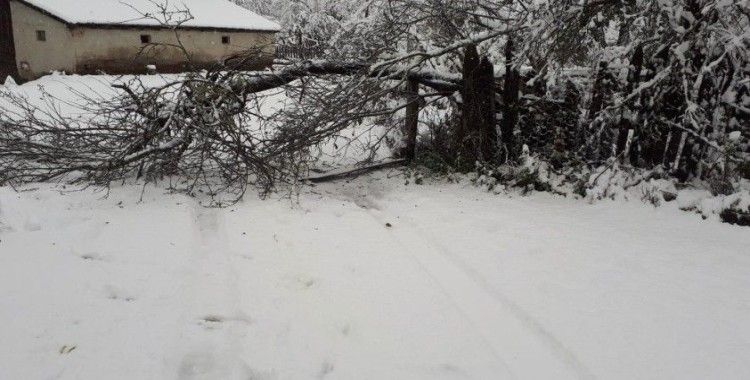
<point>213,14</point>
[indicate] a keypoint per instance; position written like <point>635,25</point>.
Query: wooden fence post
<point>411,122</point>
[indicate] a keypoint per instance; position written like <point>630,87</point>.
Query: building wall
<point>35,58</point>
<point>117,50</point>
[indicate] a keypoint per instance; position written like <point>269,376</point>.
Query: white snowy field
<point>463,284</point>
<point>365,279</point>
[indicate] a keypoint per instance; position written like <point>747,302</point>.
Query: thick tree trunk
<point>599,91</point>
<point>600,94</point>
<point>488,119</point>
<point>252,83</point>
<point>411,122</point>
<point>511,89</point>
<point>465,136</point>
<point>476,136</point>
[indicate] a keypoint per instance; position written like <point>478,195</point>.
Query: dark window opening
<point>41,35</point>
<point>225,40</point>
<point>145,38</point>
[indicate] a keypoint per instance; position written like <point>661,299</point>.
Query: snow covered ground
<point>462,284</point>
<point>366,279</point>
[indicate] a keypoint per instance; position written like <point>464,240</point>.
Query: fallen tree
<point>246,83</point>
<point>208,129</point>
<point>214,130</point>
<point>204,129</point>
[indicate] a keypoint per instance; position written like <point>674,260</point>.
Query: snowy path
<point>521,343</point>
<point>463,284</point>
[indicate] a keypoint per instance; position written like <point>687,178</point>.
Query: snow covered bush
<point>735,215</point>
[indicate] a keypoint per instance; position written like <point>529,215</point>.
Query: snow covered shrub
<point>487,178</point>
<point>616,181</point>
<point>607,182</point>
<point>735,216</point>
<point>733,209</point>
<point>434,144</point>
<point>434,162</point>
<point>721,185</point>
<point>527,175</point>
<point>651,195</point>
<point>665,83</point>
<point>528,180</point>
<point>549,121</point>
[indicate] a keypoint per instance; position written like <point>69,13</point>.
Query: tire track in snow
<point>212,299</point>
<point>517,338</point>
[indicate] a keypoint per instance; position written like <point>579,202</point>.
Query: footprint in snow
<point>92,256</point>
<point>197,366</point>
<point>213,321</point>
<point>302,282</point>
<point>30,226</point>
<point>325,369</point>
<point>346,330</point>
<point>115,294</point>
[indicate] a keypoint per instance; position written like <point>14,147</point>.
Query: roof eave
<point>43,11</point>
<point>93,25</point>
<point>137,26</point>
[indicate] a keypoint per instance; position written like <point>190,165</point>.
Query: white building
<point>127,36</point>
